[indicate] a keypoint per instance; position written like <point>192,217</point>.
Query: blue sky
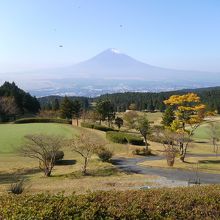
<point>183,34</point>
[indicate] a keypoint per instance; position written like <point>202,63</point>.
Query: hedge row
<point>124,138</point>
<point>96,126</point>
<point>201,202</point>
<point>42,120</point>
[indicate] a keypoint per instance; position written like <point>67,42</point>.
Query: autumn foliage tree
<point>189,114</point>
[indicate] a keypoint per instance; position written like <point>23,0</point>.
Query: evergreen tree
<point>168,117</point>
<point>76,110</point>
<point>119,122</point>
<point>151,107</point>
<point>66,108</point>
<point>106,110</point>
<point>56,105</point>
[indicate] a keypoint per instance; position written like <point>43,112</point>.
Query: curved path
<point>130,165</point>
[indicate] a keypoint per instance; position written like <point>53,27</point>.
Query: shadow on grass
<point>201,142</point>
<point>7,178</point>
<point>104,172</point>
<point>65,162</point>
<point>209,161</point>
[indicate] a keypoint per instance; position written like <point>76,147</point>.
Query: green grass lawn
<point>204,132</point>
<point>65,176</point>
<point>12,135</point>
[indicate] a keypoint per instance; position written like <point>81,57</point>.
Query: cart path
<point>130,165</point>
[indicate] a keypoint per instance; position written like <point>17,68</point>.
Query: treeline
<point>154,101</point>
<point>54,102</point>
<point>14,101</point>
<point>142,100</point>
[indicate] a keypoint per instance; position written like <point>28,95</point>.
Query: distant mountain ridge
<point>112,64</point>
<point>109,72</point>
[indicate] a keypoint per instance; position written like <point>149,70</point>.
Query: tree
<point>214,135</point>
<point>91,115</point>
<point>66,108</point>
<point>189,114</point>
<point>168,139</point>
<point>143,126</point>
<point>106,110</point>
<point>76,105</point>
<point>44,148</point>
<point>119,122</point>
<point>151,107</point>
<point>85,145</point>
<point>8,107</point>
<point>24,101</point>
<point>56,105</point>
<point>168,117</point>
<point>130,118</point>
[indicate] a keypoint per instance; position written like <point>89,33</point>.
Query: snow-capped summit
<point>113,50</point>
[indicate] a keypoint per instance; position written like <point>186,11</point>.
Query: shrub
<point>102,128</point>
<point>59,156</point>
<point>105,154</point>
<point>134,140</point>
<point>197,202</point>
<point>17,187</point>
<point>87,125</point>
<point>42,120</point>
<point>96,126</point>
<point>142,152</point>
<point>116,137</point>
<point>124,138</point>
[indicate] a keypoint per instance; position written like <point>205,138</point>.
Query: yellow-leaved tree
<point>189,114</point>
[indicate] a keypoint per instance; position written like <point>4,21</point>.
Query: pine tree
<point>56,105</point>
<point>76,110</point>
<point>168,117</point>
<point>66,108</point>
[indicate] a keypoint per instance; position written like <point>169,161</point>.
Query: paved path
<point>131,165</point>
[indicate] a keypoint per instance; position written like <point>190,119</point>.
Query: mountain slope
<point>111,64</point>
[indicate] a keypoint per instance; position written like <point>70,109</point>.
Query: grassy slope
<point>64,177</point>
<point>12,135</point>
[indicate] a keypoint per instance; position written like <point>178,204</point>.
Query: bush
<point>134,140</point>
<point>124,138</point>
<point>42,120</point>
<point>105,155</point>
<point>116,137</point>
<point>102,128</point>
<point>59,156</point>
<point>197,202</point>
<point>96,126</point>
<point>17,187</point>
<point>87,125</point>
<point>142,152</point>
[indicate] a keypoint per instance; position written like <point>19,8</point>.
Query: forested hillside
<point>142,100</point>
<point>154,101</point>
<point>14,101</point>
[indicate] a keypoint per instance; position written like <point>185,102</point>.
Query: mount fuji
<point>112,64</point>
<point>108,72</point>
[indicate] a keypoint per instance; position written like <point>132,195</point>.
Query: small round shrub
<point>142,152</point>
<point>105,155</point>
<point>59,156</point>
